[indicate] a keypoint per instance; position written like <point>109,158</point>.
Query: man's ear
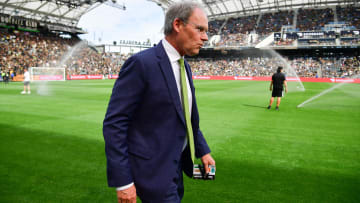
<point>176,24</point>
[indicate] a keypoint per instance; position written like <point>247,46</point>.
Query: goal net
<point>47,74</point>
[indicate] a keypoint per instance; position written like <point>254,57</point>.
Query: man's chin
<point>193,52</point>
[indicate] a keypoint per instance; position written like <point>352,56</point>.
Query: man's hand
<point>127,195</point>
<point>286,91</point>
<point>270,88</point>
<point>207,160</point>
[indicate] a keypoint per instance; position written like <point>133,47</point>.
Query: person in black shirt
<point>278,81</point>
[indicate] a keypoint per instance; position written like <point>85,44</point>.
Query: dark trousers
<point>176,189</point>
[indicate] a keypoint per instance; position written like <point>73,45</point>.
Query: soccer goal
<point>47,74</point>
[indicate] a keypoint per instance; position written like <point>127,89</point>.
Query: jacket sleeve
<point>201,147</point>
<point>126,95</point>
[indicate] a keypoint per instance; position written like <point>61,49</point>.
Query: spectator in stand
<point>6,77</point>
<point>23,49</point>
<point>3,76</point>
<point>272,22</point>
<point>214,26</point>
<point>241,25</point>
<point>349,15</point>
<point>234,32</point>
<point>314,19</point>
<point>265,66</point>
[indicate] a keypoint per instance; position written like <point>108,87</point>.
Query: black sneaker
<point>277,108</point>
<point>269,107</point>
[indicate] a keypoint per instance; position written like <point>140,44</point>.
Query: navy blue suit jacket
<point>144,127</point>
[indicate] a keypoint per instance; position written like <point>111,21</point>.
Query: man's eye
<point>200,29</point>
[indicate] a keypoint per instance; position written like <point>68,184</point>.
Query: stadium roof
<point>67,13</point>
<point>63,12</point>
<point>225,8</point>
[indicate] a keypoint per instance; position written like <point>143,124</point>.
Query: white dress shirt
<point>174,57</point>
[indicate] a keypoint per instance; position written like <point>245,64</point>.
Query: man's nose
<point>204,37</point>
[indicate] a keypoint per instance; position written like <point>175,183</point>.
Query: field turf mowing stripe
<point>52,149</point>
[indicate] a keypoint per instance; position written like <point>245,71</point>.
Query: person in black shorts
<point>278,81</point>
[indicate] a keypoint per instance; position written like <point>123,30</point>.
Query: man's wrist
<point>124,187</point>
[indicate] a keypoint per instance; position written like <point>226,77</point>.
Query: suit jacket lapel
<point>168,73</point>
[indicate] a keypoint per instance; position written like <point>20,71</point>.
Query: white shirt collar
<point>172,53</point>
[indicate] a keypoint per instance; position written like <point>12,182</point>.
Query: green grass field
<point>52,148</point>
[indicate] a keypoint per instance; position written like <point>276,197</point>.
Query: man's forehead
<point>199,15</point>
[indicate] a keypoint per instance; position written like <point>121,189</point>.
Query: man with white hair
<point>151,128</point>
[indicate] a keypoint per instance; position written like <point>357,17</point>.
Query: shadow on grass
<point>40,166</point>
<point>253,182</point>
<point>255,106</point>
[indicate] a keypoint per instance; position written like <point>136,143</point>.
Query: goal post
<point>47,74</point>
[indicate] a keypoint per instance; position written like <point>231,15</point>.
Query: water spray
<point>320,94</point>
<point>324,92</point>
<point>42,86</point>
<point>289,70</point>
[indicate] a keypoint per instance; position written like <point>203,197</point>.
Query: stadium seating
<point>314,19</point>
<point>237,31</point>
<point>272,22</point>
<point>265,66</point>
<point>19,49</point>
<point>350,15</point>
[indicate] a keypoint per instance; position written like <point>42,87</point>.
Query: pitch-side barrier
<point>290,79</point>
<point>248,78</point>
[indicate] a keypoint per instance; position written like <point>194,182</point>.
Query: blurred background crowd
<point>20,50</point>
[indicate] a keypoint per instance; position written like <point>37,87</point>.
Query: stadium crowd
<point>20,50</point>
<point>241,31</point>
<point>266,66</point>
<point>272,22</point>
<point>350,15</point>
<point>87,61</point>
<point>314,19</point>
